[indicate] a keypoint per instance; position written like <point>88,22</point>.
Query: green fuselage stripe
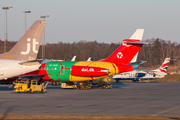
<point>59,70</point>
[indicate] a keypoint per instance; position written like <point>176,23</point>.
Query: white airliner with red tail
<point>139,75</point>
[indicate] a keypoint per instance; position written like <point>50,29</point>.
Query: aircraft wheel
<point>53,83</point>
<point>30,91</point>
<point>42,91</point>
<point>57,83</point>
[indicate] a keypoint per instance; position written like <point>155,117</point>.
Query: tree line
<point>153,54</point>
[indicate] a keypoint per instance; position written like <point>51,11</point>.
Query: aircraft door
<point>1,69</point>
<point>63,71</point>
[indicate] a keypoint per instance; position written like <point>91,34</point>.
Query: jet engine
<point>88,71</point>
<point>140,74</point>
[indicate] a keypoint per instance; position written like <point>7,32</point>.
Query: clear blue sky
<point>101,20</point>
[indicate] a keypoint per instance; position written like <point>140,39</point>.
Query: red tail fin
<point>128,49</point>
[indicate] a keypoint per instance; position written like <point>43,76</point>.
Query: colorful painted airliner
<point>139,75</point>
<point>19,59</point>
<point>116,63</point>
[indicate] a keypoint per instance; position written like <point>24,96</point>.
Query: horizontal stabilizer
<point>136,43</point>
<point>33,62</point>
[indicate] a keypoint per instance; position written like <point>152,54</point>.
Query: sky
<point>101,20</point>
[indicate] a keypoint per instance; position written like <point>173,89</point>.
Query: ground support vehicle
<point>106,86</point>
<point>102,85</point>
<point>29,86</point>
<point>86,85</point>
<point>68,85</point>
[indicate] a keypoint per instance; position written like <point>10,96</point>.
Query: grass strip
<point>87,117</point>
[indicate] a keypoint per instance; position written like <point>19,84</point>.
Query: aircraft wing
<point>151,72</point>
<point>31,77</point>
<point>138,63</point>
<point>147,70</point>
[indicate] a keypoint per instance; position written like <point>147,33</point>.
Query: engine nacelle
<point>140,74</point>
<point>88,71</point>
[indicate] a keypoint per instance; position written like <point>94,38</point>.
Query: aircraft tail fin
<point>73,59</point>
<point>128,49</point>
<point>89,59</point>
<point>164,66</point>
<point>138,34</point>
<point>134,58</point>
<point>28,46</point>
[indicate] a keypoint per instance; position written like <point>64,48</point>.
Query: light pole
<point>175,65</point>
<point>43,42</point>
<point>25,19</point>
<point>5,28</point>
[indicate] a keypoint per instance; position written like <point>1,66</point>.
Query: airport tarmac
<point>126,98</point>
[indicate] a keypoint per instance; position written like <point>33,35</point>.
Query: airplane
<point>21,58</point>
<point>10,80</point>
<point>73,71</point>
<point>139,75</point>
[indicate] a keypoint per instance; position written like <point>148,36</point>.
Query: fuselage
<point>64,70</point>
<point>11,68</point>
<point>139,75</point>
